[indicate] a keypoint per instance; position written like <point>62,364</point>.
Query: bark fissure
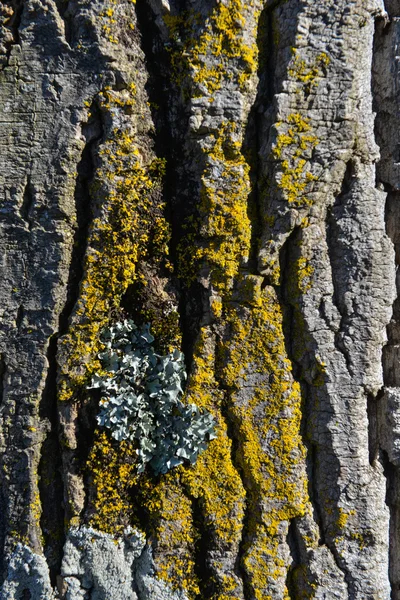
<point>291,303</point>
<point>20,316</point>
<point>201,552</point>
<point>391,378</point>
<point>163,95</point>
<point>393,502</point>
<point>3,375</point>
<point>289,308</point>
<point>335,255</point>
<point>373,425</point>
<point>28,204</point>
<point>171,120</point>
<point>253,140</point>
<point>312,452</point>
<point>93,132</point>
<point>295,554</point>
<point>50,470</point>
<point>386,108</point>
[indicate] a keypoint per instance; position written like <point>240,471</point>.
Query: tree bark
<point>228,173</point>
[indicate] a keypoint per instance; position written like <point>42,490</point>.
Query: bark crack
<point>386,179</point>
<point>49,470</point>
<point>248,485</point>
<point>3,375</point>
<point>93,133</point>
<point>162,97</point>
<point>20,316</point>
<point>290,306</point>
<point>336,260</point>
<point>295,554</point>
<point>28,204</point>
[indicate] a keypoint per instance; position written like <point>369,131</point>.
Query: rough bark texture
<point>228,172</point>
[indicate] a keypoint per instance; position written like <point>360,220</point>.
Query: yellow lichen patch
<point>305,74</point>
<point>35,510</point>
<point>129,224</point>
<point>360,539</point>
<point>216,483</point>
<point>223,237</point>
<point>294,143</point>
<point>171,522</point>
<point>213,482</point>
<point>108,20</point>
<point>209,49</point>
<point>270,410</point>
<point>293,152</point>
<point>305,272</point>
<point>343,517</point>
<point>112,470</point>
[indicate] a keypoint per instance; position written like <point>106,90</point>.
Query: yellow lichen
<point>293,146</point>
<point>305,74</point>
<point>113,472</point>
<point>304,274</point>
<point>223,222</point>
<point>129,221</point>
<point>277,489</point>
<point>343,517</point>
<point>213,482</point>
<point>107,17</point>
<point>171,522</point>
<point>250,342</point>
<point>214,479</point>
<point>208,49</point>
<point>218,241</point>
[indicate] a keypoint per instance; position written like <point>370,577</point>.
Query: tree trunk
<point>227,172</point>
